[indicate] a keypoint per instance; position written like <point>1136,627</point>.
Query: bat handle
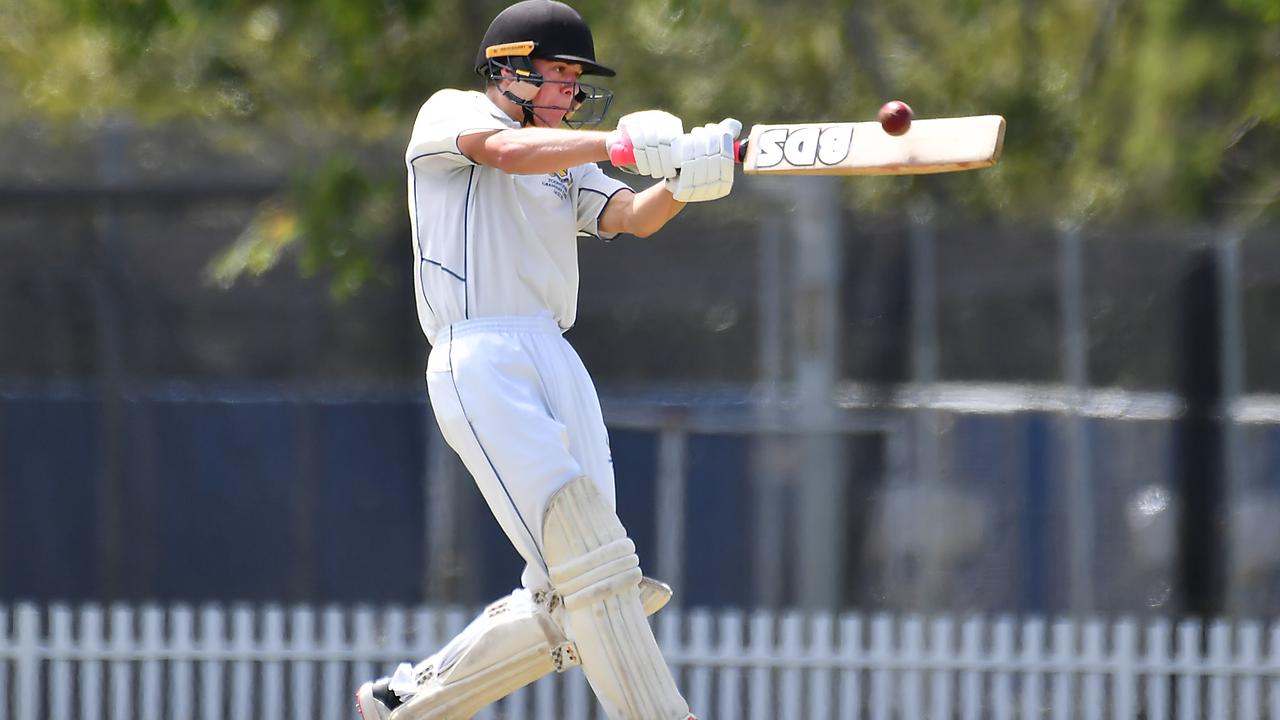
<point>623,153</point>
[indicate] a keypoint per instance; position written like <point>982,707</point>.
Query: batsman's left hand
<point>705,158</point>
<point>652,134</point>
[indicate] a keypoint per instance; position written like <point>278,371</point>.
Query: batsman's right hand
<point>652,134</point>
<point>705,157</point>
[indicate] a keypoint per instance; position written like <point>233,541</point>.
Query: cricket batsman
<point>501,184</point>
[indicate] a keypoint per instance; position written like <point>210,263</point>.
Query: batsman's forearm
<point>536,151</point>
<point>651,209</point>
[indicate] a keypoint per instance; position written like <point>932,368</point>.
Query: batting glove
<point>652,133</point>
<point>705,158</point>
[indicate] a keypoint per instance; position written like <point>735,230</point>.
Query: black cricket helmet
<point>553,31</point>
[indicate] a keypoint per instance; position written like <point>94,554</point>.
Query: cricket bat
<point>934,145</point>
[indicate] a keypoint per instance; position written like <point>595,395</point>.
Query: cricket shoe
<point>376,699</point>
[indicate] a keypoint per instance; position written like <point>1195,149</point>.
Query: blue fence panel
<point>987,450</point>
<point>718,529</point>
<point>1271,476</point>
<point>370,517</point>
<point>500,565</point>
<point>47,456</point>
<point>262,499</point>
<point>225,472</point>
<point>635,468</point>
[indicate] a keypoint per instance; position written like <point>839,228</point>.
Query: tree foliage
<point>1116,108</point>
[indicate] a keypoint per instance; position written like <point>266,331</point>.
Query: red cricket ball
<point>895,117</point>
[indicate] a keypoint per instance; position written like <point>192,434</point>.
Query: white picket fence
<point>175,663</point>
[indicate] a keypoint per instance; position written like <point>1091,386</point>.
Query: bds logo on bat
<point>803,146</point>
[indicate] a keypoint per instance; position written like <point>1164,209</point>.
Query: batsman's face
<point>555,96</point>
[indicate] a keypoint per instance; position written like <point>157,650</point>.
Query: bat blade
<point>864,148</point>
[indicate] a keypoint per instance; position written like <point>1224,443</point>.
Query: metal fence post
<point>1077,458</point>
<point>816,348</point>
<point>1235,457</point>
<point>770,471</point>
<point>923,586</point>
<point>672,479</point>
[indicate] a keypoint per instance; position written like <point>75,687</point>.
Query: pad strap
<point>598,574</point>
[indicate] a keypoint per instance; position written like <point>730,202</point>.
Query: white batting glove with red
<point>705,158</point>
<point>652,134</point>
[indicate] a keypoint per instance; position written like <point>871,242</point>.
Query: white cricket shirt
<point>487,243</point>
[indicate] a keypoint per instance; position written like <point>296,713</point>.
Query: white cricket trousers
<point>514,400</point>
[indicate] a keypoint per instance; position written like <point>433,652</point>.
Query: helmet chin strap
<point>525,105</point>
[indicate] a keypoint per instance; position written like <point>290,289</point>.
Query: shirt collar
<point>496,112</point>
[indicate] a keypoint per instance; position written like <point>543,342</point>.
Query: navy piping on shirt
<point>417,238</point>
<point>607,198</point>
<point>466,257</point>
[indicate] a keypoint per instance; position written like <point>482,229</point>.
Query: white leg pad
<point>514,642</point>
<point>594,568</point>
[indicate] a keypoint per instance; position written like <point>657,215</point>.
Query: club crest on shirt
<point>559,182</point>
